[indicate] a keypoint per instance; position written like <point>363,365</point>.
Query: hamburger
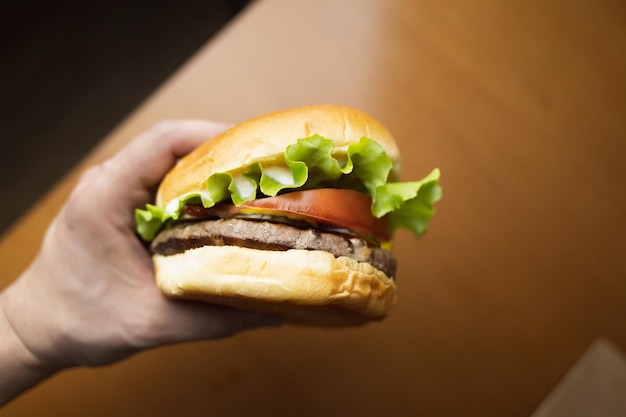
<point>292,214</point>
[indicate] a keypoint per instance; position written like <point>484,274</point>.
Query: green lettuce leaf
<point>310,163</point>
<point>408,204</point>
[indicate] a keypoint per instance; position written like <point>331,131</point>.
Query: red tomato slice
<point>345,209</point>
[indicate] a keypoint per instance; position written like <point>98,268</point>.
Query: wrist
<point>20,367</point>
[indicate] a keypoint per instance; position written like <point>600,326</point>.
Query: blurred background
<point>72,70</point>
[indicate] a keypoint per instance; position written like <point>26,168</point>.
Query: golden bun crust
<point>265,138</point>
<point>302,287</point>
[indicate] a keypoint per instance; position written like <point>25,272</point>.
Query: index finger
<point>151,155</point>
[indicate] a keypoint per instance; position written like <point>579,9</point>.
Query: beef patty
<point>269,236</point>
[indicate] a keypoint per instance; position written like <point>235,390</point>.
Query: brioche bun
<point>301,286</point>
<point>265,138</point>
<point>311,287</point>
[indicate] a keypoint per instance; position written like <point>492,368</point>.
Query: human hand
<point>89,298</point>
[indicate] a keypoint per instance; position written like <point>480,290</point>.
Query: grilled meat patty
<point>269,236</point>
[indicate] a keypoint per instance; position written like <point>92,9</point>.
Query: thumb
<point>153,153</point>
<point>185,320</point>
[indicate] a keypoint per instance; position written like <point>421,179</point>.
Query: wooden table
<point>522,106</point>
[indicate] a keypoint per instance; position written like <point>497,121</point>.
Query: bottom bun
<point>301,286</point>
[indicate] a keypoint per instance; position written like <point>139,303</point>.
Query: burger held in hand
<point>292,214</point>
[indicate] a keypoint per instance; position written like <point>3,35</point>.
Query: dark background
<point>72,70</point>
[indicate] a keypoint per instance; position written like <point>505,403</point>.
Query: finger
<point>190,320</point>
<point>150,156</point>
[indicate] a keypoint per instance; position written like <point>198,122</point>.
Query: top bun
<point>265,138</point>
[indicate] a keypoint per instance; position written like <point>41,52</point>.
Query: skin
<point>89,297</point>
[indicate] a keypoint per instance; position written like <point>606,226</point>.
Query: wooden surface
<point>522,106</point>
